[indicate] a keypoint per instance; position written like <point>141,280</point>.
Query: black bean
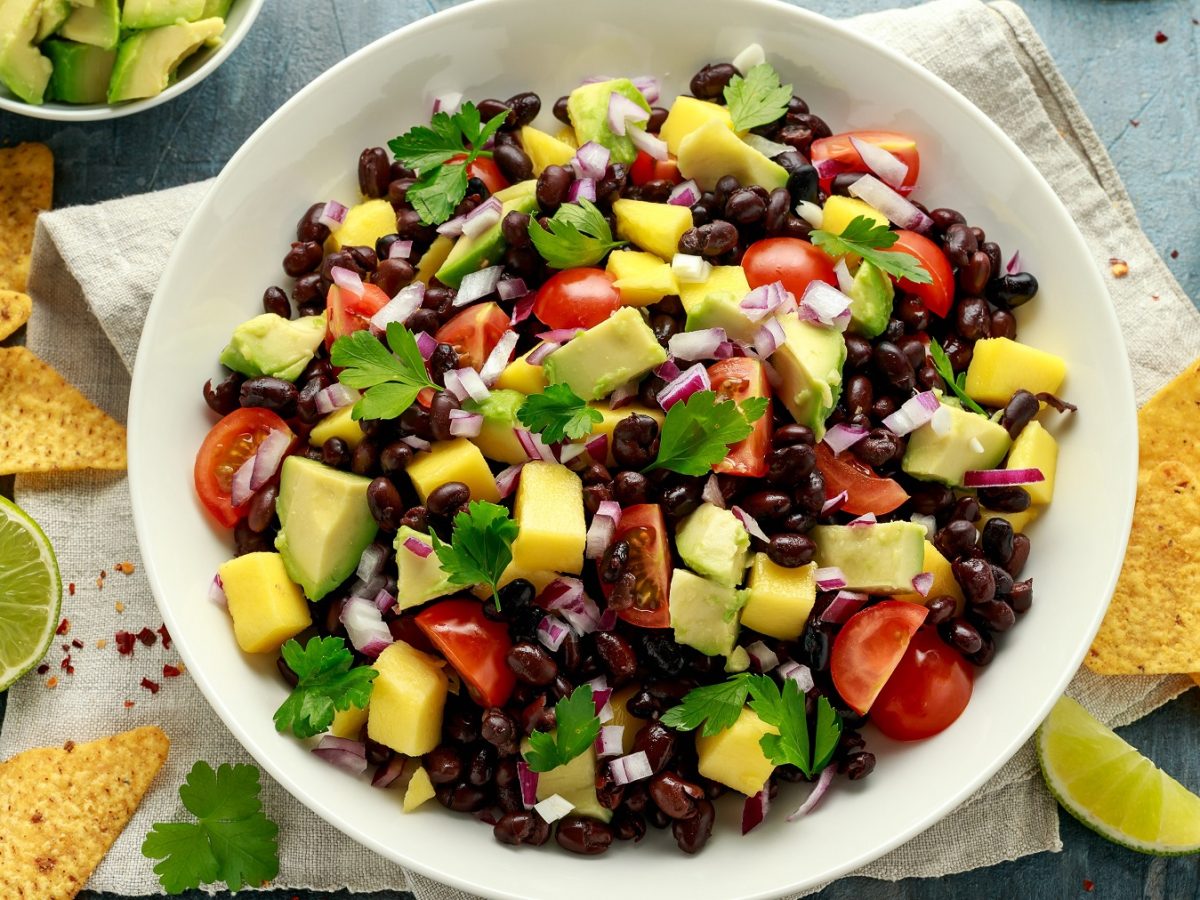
<point>779,204</point>
<point>223,399</point>
<point>365,259</point>
<point>956,539</point>
<point>1021,597</point>
<point>275,300</point>
<point>525,106</point>
<point>675,796</point>
<point>461,797</point>
<point>959,351</point>
<point>973,277</point>
<point>810,493</point>
<point>440,408</point>
<point>960,244</point>
<point>815,647</point>
<point>997,540</point>
<point>446,498</point>
<point>515,228</point>
<point>767,505</point>
<point>618,656</point>
<point>879,447</point>
<point>912,312</point>
<point>803,184</point>
<point>657,742</point>
<point>944,217</point>
<point>364,459</point>
<point>787,464</point>
<point>443,359</point>
<point>262,508</point>
<point>1020,555</point>
<point>461,724</point>
<point>662,653</point>
<point>972,318</point>
<point>683,499</point>
<point>1011,291</point>
<point>1005,499</point>
<point>894,366</point>
<point>491,107</point>
<point>392,275</point>
<point>416,518</point>
<point>410,227</point>
<point>498,729</point>
<point>976,579</point>
<point>578,834</point>
<point>374,172</point>
<point>967,509</point>
<point>860,765</point>
<point>709,83</point>
<point>1004,581</point>
<point>1004,325</point>
<point>693,833</point>
<point>513,162</point>
<point>745,206</point>
<point>930,499</point>
<point>614,562</point>
<point>628,825</point>
<point>961,635</point>
<point>795,434</point>
<point>635,441</point>
<point>275,394</point>
<point>309,228</point>
<point>443,764</point>
<point>791,550</point>
<point>560,110</point>
<point>986,652</point>
<point>658,115</point>
<point>384,501</point>
<point>1019,412</point>
<point>858,351</point>
<point>941,609</point>
<point>530,662</point>
<point>840,185</point>
<point>481,765</point>
<point>630,488</point>
<point>717,238</point>
<point>552,187</point>
<point>524,827</point>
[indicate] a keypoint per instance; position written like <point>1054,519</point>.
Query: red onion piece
<point>528,780</point>
<point>799,673</point>
<point>506,481</point>
<point>449,103</point>
<point>478,285</point>
<point>823,781</point>
<point>890,169</point>
<point>693,345</point>
<point>600,698</point>
<point>863,520</point>
<point>551,633</point>
<point>764,300</point>
<point>347,280</point>
<point>511,289</point>
<point>841,436</point>
<point>591,161</point>
<point>648,87</point>
<point>216,592</point>
<point>627,769</point>
<point>415,442</point>
<point>333,215</point>
<point>834,503</point>
<point>600,532</point>
<point>386,775</point>
<point>417,547</point>
<point>345,754</point>
<point>648,143</point>
<point>668,371</point>
<point>452,227</point>
<point>371,561</point>
<point>597,447</point>
<point>582,189</point>
<point>622,112</point>
<point>763,656</point>
<point>406,302</point>
<point>400,250</point>
<point>482,217</point>
<point>748,58</point>
<point>365,626</point>
<point>609,741</point>
<point>830,578</point>
<point>240,491</point>
<point>913,413</point>
<point>559,335</point>
<point>683,386</point>
<point>686,193</point>
<point>922,583</point>
<point>690,269</point>
<point>1014,264</point>
<point>568,452</point>
<point>810,213</point>
<point>384,600</point>
<point>823,304</point>
<point>712,492</point>
<point>843,606</point>
<point>750,523</point>
<point>426,344</point>
<point>899,211</point>
<point>608,620</point>
<point>523,308</point>
<point>844,278</point>
<point>499,357</point>
<point>553,808</point>
<point>534,447</point>
<point>828,168</point>
<point>334,397</point>
<point>539,353</point>
<point>1001,477</point>
<point>270,454</point>
<point>472,384</point>
<point>754,811</point>
<point>465,424</point>
<point>769,337</point>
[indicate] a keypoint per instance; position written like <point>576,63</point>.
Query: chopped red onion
<point>270,454</point>
<point>559,335</point>
<point>922,583</point>
<point>913,413</point>
<point>371,562</point>
<point>810,213</point>
<point>1014,264</point>
<point>216,592</point>
<point>582,189</point>
<point>843,606</point>
<point>600,532</point>
<point>477,285</point>
<point>844,278</point>
<point>834,503</point>
<point>830,578</point>
<point>333,215</point>
<point>553,808</point>
<point>754,811</point>
<point>600,698</point>
<point>686,193</point>
<point>240,492</point>
<point>712,492</point>
<point>690,269</point>
<point>533,445</point>
<point>417,547</point>
<point>764,300</point>
<point>823,304</point>
<point>929,523</point>
<point>623,395</point>
<point>506,481</point>
<point>883,163</point>
<point>767,147</point>
<point>863,520</point>
<point>750,523</point>
<point>608,620</point>
<point>684,385</point>
<point>452,227</point>
<point>426,344</point>
<point>347,280</point>
<point>400,250</point>
<point>343,753</point>
<point>415,442</point>
<point>539,353</point>
<point>648,87</point>
<point>511,289</point>
<point>449,103</point>
<point>591,161</point>
<point>609,741</point>
<point>752,56</point>
<point>996,477</point>
<point>841,436</point>
<point>528,780</point>
<point>769,337</point>
<point>365,626</point>
<point>566,596</point>
<point>386,775</point>
<point>596,79</point>
<point>465,424</point>
<point>597,447</point>
<point>899,211</point>
<point>568,452</point>
<point>668,371</point>
<point>551,633</point>
<point>472,384</point>
<point>523,308</point>
<point>799,673</point>
<point>499,357</point>
<point>622,112</point>
<point>334,397</point>
<point>763,656</point>
<point>693,345</point>
<point>648,143</point>
<point>482,217</point>
<point>828,168</point>
<point>384,600</point>
<point>400,307</point>
<point>634,767</point>
<point>823,781</point>
<point>773,377</point>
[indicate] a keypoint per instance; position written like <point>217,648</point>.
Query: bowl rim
<point>1122,486</point>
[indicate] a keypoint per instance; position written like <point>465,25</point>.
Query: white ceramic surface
<point>308,150</point>
<point>194,70</point>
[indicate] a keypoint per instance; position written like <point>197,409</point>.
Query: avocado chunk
<point>575,782</point>
<point>587,107</point>
<point>878,559</point>
<point>497,438</point>
<point>99,25</point>
<point>871,296</point>
<point>419,579</point>
<point>704,614</point>
<point>712,542</point>
<point>470,254</point>
<point>216,8</point>
<point>324,524</point>
<point>713,151</point>
<point>275,346</point>
<point>142,14</point>
<point>81,71</point>
<point>604,357</point>
<point>810,363</point>
<point>23,69</point>
<point>147,60</point>
<point>722,309</point>
<point>53,14</point>
<point>969,442</point>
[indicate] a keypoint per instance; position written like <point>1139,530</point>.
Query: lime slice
<point>1111,788</point>
<point>30,593</point>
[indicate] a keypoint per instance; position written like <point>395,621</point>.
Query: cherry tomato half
<point>866,492</point>
<point>938,295</point>
<point>739,378</point>
<point>646,168</point>
<point>348,313</point>
<point>643,527</point>
<point>476,646</point>
<point>790,260</point>
<point>486,171</point>
<point>576,298</point>
<point>928,691</point>
<point>230,443</point>
<point>869,647</point>
<point>838,147</point>
<point>474,333</point>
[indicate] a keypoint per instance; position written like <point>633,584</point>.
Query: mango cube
<point>267,607</point>
<point>419,790</point>
<point>434,258</point>
<point>841,211</point>
<point>1018,520</point>
<point>642,278</point>
<point>612,417</point>
<point>780,599</point>
<point>656,227</point>
<point>566,135</point>
<point>689,114</point>
<point>456,460</point>
<point>944,582</point>
<point>348,723</point>
<point>545,149</point>
<point>519,375</point>
<point>549,511</point>
<point>364,224</point>
<point>619,702</point>
<point>734,757</point>
<point>1000,367</point>
<point>722,280</point>
<point>407,700</point>
<point>337,424</point>
<point>1034,448</point>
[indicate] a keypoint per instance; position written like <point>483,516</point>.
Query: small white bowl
<point>195,69</point>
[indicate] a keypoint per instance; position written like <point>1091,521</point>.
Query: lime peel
<point>30,593</point>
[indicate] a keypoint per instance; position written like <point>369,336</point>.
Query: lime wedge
<point>30,593</point>
<point>1111,788</point>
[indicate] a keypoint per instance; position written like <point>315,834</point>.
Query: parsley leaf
<point>480,548</point>
<point>941,362</point>
<point>231,841</point>
<point>328,681</point>
<point>558,413</point>
<point>757,99</point>
<point>717,706</point>
<point>437,192</point>
<point>698,431</point>
<point>576,729</point>
<point>392,380</point>
<point>785,710</point>
<point>579,236</point>
<point>870,240</point>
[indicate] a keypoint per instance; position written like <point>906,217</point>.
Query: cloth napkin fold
<point>93,275</point>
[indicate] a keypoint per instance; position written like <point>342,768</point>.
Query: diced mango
<point>549,512</point>
<point>339,424</point>
<point>642,278</point>
<point>656,227</point>
<point>434,257</point>
<point>734,757</point>
<point>840,211</point>
<point>1000,367</point>
<point>545,149</point>
<point>944,582</point>
<point>722,279</point>
<point>1018,520</point>
<point>689,114</point>
<point>267,607</point>
<point>622,716</point>
<point>365,223</point>
<point>456,460</point>
<point>780,599</point>
<point>348,723</point>
<point>566,135</point>
<point>419,790</point>
<point>612,417</point>
<point>1035,448</point>
<point>519,375</point>
<point>407,700</point>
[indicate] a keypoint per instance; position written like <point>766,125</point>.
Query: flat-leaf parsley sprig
<point>579,236</point>
<point>480,547</point>
<point>956,383</point>
<point>558,413</point>
<point>392,379</point>
<point>870,240</point>
<point>576,728</point>
<point>328,681</point>
<point>697,432</point>
<point>757,99</point>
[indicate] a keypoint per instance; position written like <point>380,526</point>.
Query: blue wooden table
<point>1141,93</point>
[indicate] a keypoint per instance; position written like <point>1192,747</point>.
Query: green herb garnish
<point>956,383</point>
<point>697,432</point>
<point>480,548</point>
<point>579,236</point>
<point>757,99</point>
<point>576,728</point>
<point>328,681</point>
<point>870,240</point>
<point>716,706</point>
<point>558,413</point>
<point>392,379</point>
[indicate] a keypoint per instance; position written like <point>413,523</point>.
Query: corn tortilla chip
<point>61,808</point>
<point>1153,624</point>
<point>46,425</point>
<point>26,188</point>
<point>15,308</point>
<point>1169,424</point>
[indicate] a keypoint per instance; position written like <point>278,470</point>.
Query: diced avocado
<point>218,8</point>
<point>433,258</point>
<point>81,71</point>
<point>23,69</point>
<point>99,25</point>
<point>878,559</point>
<point>944,582</point>
<point>604,357</point>
<point>721,280</point>
<point>1034,448</point>
<point>266,606</point>
<point>734,757</point>
<point>419,578</point>
<point>688,115</point>
<point>656,227</point>
<point>275,346</point>
<point>969,441</point>
<point>780,599</point>
<point>419,791</point>
<point>575,782</point>
<point>1000,367</point>
<point>365,223</point>
<point>839,211</point>
<point>142,14</point>
<point>147,60</point>
<point>520,376</point>
<point>809,362</point>
<point>871,297</point>
<point>738,660</point>
<point>704,614</point>
<point>587,107</point>
<point>544,149</point>
<point>53,14</point>
<point>454,460</point>
<point>407,700</point>
<point>714,543</point>
<point>642,278</point>
<point>324,524</point>
<point>338,424</point>
<point>549,512</point>
<point>470,254</point>
<point>497,438</point>
<point>713,151</point>
<point>610,418</point>
<point>722,309</point>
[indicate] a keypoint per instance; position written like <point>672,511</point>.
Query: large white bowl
<point>308,150</point>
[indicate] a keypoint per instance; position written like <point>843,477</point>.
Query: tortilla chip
<point>61,808</point>
<point>46,425</point>
<point>26,188</point>
<point>14,311</point>
<point>1167,424</point>
<point>1153,624</point>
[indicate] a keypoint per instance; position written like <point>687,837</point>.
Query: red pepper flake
<point>63,627</point>
<point>1159,37</point>
<point>69,746</point>
<point>125,568</point>
<point>36,818</point>
<point>77,644</point>
<point>66,648</point>
<point>124,641</point>
<point>66,663</point>
<point>71,588</point>
<point>170,671</point>
<point>149,685</point>
<point>128,704</point>
<point>45,864</point>
<point>147,637</point>
<point>100,580</point>
<point>43,668</point>
<point>1174,254</point>
<point>1089,885</point>
<point>166,636</point>
<point>1135,122</point>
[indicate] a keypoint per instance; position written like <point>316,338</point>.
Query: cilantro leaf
<point>757,99</point>
<point>480,548</point>
<point>558,413</point>
<point>438,191</point>
<point>870,240</point>
<point>576,729</point>
<point>941,363</point>
<point>328,681</point>
<point>579,236</point>
<point>698,431</point>
<point>231,841</point>
<point>716,706</point>
<point>392,379</point>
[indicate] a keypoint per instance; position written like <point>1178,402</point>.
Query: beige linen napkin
<point>94,272</point>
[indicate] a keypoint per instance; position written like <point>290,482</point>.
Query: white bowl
<point>195,69</point>
<point>307,151</point>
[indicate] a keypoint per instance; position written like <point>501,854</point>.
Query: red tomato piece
<point>576,298</point>
<point>739,378</point>
<point>230,443</point>
<point>839,148</point>
<point>646,531</point>
<point>928,691</point>
<point>474,333</point>
<point>790,260</point>
<point>938,295</point>
<point>866,492</point>
<point>348,313</point>
<point>476,646</point>
<point>486,171</point>
<point>869,647</point>
<point>641,169</point>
